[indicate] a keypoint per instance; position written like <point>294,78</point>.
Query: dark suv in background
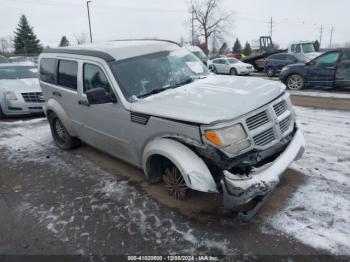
<point>332,69</point>
<point>276,62</point>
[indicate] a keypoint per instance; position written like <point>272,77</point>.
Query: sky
<point>293,20</point>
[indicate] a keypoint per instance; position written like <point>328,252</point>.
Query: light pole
<point>88,10</point>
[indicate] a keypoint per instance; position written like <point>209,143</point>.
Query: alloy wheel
<point>295,82</point>
<point>175,183</point>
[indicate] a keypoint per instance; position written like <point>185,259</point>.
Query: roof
<point>117,50</point>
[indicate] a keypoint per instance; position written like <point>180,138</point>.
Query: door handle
<point>58,94</point>
<point>330,67</point>
<point>83,103</point>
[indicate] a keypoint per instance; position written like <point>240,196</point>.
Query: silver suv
<point>155,105</point>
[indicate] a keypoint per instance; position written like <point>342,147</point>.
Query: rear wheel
<point>270,72</point>
<point>233,72</point>
<point>2,115</point>
<point>175,183</point>
<point>60,134</point>
<point>295,82</point>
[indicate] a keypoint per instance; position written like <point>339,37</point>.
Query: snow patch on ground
<point>318,213</point>
<point>320,93</point>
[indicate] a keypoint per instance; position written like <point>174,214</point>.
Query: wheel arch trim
<point>195,172</point>
<point>54,106</point>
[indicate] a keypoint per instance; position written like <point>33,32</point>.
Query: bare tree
<point>4,45</point>
<point>210,19</point>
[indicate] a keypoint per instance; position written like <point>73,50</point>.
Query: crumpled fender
<point>54,106</point>
<point>195,172</point>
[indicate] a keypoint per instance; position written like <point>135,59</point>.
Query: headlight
<point>232,139</point>
<point>9,95</point>
<point>285,68</point>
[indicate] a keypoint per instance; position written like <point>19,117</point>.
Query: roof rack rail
<point>146,39</point>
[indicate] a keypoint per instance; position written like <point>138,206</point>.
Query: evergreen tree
<point>247,49</point>
<point>237,47</point>
<point>25,41</point>
<point>317,46</point>
<point>64,41</point>
<point>223,49</point>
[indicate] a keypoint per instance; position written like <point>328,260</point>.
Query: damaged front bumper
<point>239,190</point>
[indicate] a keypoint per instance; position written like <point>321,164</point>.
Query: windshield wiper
<point>159,90</point>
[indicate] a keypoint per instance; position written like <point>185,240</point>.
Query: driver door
<point>321,71</point>
<point>105,125</point>
<point>342,76</point>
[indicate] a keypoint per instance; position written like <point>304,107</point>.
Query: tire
<point>60,134</point>
<point>174,182</point>
<point>213,69</point>
<point>2,116</point>
<point>295,82</point>
<point>233,72</point>
<point>270,72</point>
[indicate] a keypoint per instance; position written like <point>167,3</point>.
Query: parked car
<point>156,106</point>
<point>331,69</point>
<point>20,92</point>
<point>230,66</point>
<point>276,62</point>
<point>198,52</point>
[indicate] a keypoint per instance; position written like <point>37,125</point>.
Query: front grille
<point>285,124</point>
<point>280,108</point>
<point>257,120</point>
<point>264,138</point>
<point>36,97</point>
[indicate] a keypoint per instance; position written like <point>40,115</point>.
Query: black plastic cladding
<point>99,54</point>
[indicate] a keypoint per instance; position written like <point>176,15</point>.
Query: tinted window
<point>67,74</point>
<point>330,58</point>
<point>48,70</point>
<point>19,72</point>
<point>298,49</point>
<point>346,57</point>
<point>94,78</point>
<point>278,57</point>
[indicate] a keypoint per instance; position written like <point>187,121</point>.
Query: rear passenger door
<point>105,125</point>
<point>59,82</point>
<point>342,75</point>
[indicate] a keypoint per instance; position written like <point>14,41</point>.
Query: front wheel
<point>270,72</point>
<point>233,72</point>
<point>60,134</point>
<point>295,82</point>
<point>212,68</point>
<point>175,183</point>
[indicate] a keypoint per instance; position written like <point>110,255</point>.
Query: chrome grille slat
<point>284,125</point>
<point>257,120</point>
<point>280,108</point>
<point>35,97</point>
<point>264,138</point>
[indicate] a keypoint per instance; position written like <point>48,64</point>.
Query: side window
<point>293,48</point>
<point>298,49</point>
<point>67,74</point>
<point>291,58</point>
<point>217,61</point>
<point>330,58</point>
<point>94,77</point>
<point>48,67</point>
<point>345,58</point>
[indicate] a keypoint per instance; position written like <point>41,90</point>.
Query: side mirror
<point>98,96</point>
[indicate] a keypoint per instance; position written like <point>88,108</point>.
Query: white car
<point>230,66</point>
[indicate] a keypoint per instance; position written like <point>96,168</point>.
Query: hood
<point>20,85</point>
<point>307,56</point>
<point>213,99</point>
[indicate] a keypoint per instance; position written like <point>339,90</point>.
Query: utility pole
<point>321,33</point>
<point>331,38</point>
<point>192,25</point>
<point>88,10</point>
<point>271,26</point>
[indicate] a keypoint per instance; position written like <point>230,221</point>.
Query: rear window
<point>67,74</point>
<point>48,68</point>
<point>18,72</point>
<point>278,57</point>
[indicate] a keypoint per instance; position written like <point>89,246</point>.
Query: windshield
<point>200,55</point>
<point>149,74</point>
<point>308,48</point>
<point>18,72</point>
<point>232,60</point>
